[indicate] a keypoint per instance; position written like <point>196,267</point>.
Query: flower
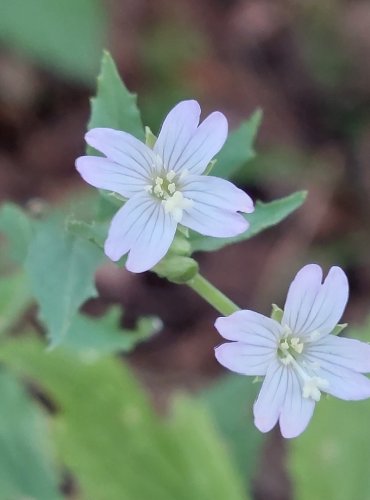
<point>298,357</point>
<point>164,185</point>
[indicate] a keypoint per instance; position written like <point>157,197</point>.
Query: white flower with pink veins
<point>164,185</point>
<point>298,357</point>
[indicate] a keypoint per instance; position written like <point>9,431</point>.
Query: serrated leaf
<point>102,336</point>
<point>17,228</point>
<point>61,269</point>
<point>265,215</point>
<point>114,106</point>
<point>15,297</point>
<point>65,36</point>
<point>113,443</point>
<point>26,461</point>
<point>238,148</point>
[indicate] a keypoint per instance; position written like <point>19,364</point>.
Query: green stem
<point>212,295</point>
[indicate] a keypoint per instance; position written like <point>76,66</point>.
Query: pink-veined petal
<point>153,242</point>
<point>343,382</point>
<point>217,193</point>
<point>127,225</point>
<point>178,128</point>
<point>270,400</point>
<point>243,358</point>
<point>105,174</point>
<point>204,145</point>
<point>212,221</point>
<point>296,411</point>
<point>251,328</point>
<point>312,306</point>
<point>122,148</point>
<point>142,227</point>
<point>341,351</point>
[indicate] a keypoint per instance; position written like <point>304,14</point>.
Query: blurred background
<point>303,62</point>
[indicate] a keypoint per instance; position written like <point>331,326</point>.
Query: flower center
<point>165,187</point>
<point>289,350</point>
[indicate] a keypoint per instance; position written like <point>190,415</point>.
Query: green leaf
<point>61,269</point>
<point>95,232</point>
<point>100,336</point>
<point>238,148</point>
<point>265,215</point>
<point>65,36</point>
<point>114,106</point>
<point>17,228</point>
<point>230,401</point>
<point>331,459</point>
<point>110,439</point>
<point>26,461</point>
<point>197,436</point>
<point>15,297</point>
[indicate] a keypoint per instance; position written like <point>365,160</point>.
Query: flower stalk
<point>212,295</point>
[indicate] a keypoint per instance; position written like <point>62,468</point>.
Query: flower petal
<point>312,306</point>
<point>123,148</point>
<point>250,328</point>
<point>271,398</point>
<point>153,242</point>
<point>243,358</point>
<point>341,351</point>
<point>343,382</point>
<point>212,221</point>
<point>105,174</point>
<point>217,193</point>
<point>178,128</point>
<point>143,227</point>
<point>204,145</point>
<point>297,410</point>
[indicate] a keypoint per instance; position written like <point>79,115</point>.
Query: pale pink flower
<point>298,358</point>
<point>164,185</point>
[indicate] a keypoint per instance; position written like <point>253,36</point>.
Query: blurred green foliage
<point>106,434</point>
<point>65,36</point>
<point>27,463</point>
<point>332,458</point>
<point>103,335</point>
<point>230,401</point>
<point>15,298</point>
<point>239,148</point>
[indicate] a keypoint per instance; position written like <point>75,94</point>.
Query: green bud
<point>180,246</point>
<point>176,268</point>
<point>150,138</point>
<point>277,313</point>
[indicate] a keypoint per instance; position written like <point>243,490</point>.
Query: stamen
<point>312,386</point>
<point>171,188</point>
<point>284,345</point>
<point>296,344</point>
<point>171,175</point>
